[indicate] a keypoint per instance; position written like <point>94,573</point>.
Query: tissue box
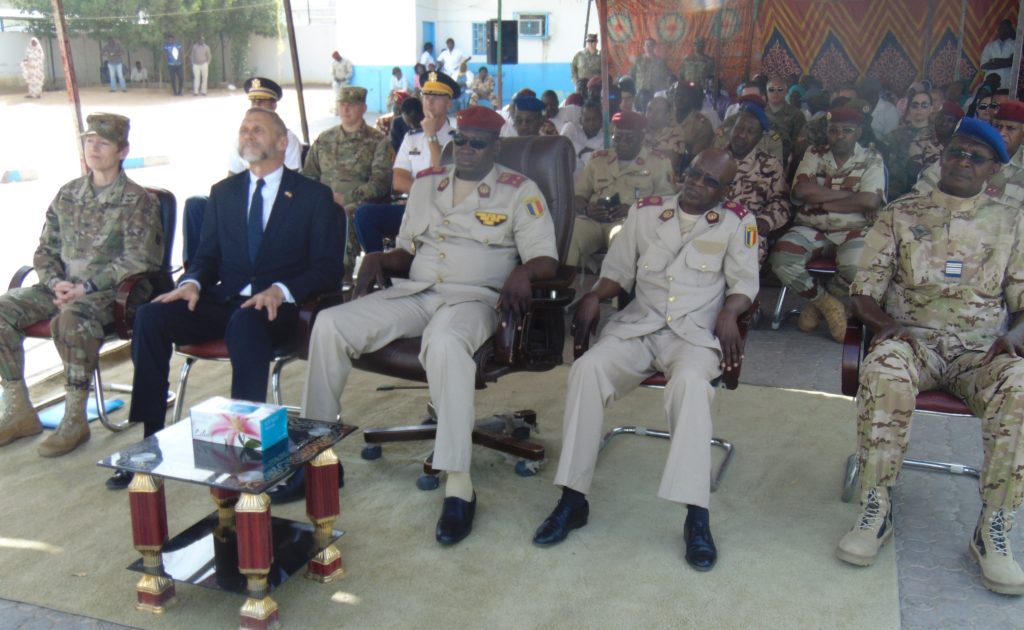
<point>239,423</point>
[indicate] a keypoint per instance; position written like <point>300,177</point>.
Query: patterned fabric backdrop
<point>836,41</point>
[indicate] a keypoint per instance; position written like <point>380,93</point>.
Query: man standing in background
<point>341,74</point>
<point>113,56</point>
<point>586,64</point>
<point>200,56</point>
<point>175,69</point>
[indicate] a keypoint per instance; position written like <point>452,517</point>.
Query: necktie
<point>256,221</point>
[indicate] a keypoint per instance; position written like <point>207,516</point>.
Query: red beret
<point>753,98</point>
<point>952,109</point>
<point>478,117</point>
<point>629,121</point>
<point>401,95</point>
<point>846,114</point>
<point>574,99</point>
<point>594,82</point>
<point>1010,110</point>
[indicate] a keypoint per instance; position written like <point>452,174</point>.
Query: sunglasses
<point>976,159</point>
<point>709,181</point>
<point>846,131</point>
<point>920,105</point>
<point>776,89</point>
<point>983,107</point>
<point>460,140</point>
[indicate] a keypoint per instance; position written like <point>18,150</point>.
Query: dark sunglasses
<point>846,131</point>
<point>959,154</point>
<point>776,89</point>
<point>920,105</point>
<point>709,181</point>
<point>475,143</point>
<point>982,108</point>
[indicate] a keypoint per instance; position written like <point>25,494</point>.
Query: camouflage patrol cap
<point>113,127</point>
<point>352,94</point>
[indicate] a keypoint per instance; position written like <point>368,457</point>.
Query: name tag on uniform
<point>954,268</point>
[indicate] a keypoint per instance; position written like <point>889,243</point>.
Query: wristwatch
<point>434,138</point>
<point>90,287</point>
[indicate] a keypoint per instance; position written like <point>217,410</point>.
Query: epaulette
<point>512,179</point>
<point>413,132</point>
<point>653,200</point>
<point>736,208</point>
<point>658,153</point>
<point>433,170</point>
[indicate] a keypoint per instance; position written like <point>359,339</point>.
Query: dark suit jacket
<point>302,247</point>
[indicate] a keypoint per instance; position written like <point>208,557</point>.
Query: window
<point>533,24</point>
<point>479,38</point>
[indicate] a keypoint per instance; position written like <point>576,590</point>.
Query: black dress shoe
<point>562,520</point>
<point>120,479</point>
<point>294,488</point>
<point>456,520</point>
<point>701,553</point>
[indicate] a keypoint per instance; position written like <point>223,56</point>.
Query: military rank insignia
<point>712,217</point>
<point>287,193</point>
<point>750,236</point>
<point>535,207</point>
<point>484,191</point>
<point>954,268</point>
<point>490,219</point>
<point>444,184</point>
<point>667,214</point>
<point>512,179</point>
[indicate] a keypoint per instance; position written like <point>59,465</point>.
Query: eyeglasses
<point>460,140</point>
<point>846,131</point>
<point>776,89</point>
<point>983,107</point>
<point>976,159</point>
<point>709,181</point>
<point>920,105</point>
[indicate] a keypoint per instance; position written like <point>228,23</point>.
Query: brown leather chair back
<point>548,161</point>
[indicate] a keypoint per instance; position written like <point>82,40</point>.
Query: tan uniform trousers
<point>588,238</point>
<point>451,334</point>
<point>611,369</point>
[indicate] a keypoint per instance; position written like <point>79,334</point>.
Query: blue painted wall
<point>536,76</point>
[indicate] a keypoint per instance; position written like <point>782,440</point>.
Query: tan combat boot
<point>990,546</point>
<point>19,418</point>
<point>860,545</point>
<point>834,312</point>
<point>809,318</point>
<point>74,428</point>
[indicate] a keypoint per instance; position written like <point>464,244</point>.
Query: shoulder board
<point>512,179</point>
<point>413,132</point>
<point>649,201</point>
<point>434,170</point>
<point>736,208</point>
<point>658,153</point>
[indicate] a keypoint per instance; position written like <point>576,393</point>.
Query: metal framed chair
<point>533,344</point>
<point>127,298</point>
<point>937,403</point>
<point>822,267</point>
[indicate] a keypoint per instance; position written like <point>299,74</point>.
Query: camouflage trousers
<point>802,244</point>
<point>77,331</point>
<point>891,376</point>
<point>588,238</point>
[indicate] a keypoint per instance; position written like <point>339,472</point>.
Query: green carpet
<point>65,541</point>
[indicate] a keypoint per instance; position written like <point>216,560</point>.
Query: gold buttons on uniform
<point>703,267</point>
<point>670,278</point>
<point>671,298</point>
<point>646,267</point>
<point>441,256</point>
<point>440,238</point>
<point>445,222</point>
<point>668,319</point>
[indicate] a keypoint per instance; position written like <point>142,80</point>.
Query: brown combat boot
<point>834,312</point>
<point>74,428</point>
<point>860,545</point>
<point>19,418</point>
<point>809,318</point>
<point>990,546</point>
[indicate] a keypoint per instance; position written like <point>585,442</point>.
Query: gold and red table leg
<point>255,555</point>
<point>323,508</point>
<point>155,590</point>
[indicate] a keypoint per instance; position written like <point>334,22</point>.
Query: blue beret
<point>983,132</point>
<point>758,112</point>
<point>529,104</point>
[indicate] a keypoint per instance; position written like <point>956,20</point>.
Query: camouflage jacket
<point>650,73</point>
<point>761,188</point>
<point>949,269</point>
<point>696,68</point>
<point>585,65</point>
<point>910,151</point>
<point>788,121</point>
<point>357,164</point>
<point>102,238</point>
<point>1008,183</point>
<point>863,171</point>
<point>771,140</point>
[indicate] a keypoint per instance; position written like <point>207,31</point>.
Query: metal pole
<point>602,24</point>
<point>70,80</point>
<point>293,46</point>
<point>960,41</point>
<point>586,26</point>
<point>501,32</point>
<point>1015,76</point>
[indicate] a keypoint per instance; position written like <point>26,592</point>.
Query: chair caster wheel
<point>521,433</point>
<point>526,468</point>
<point>428,482</point>
<point>371,452</point>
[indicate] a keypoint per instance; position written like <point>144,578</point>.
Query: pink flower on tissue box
<point>239,423</point>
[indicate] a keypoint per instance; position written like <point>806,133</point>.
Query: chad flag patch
<point>491,218</point>
<point>535,207</point>
<point>750,236</point>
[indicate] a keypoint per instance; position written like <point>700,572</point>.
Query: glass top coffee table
<point>240,547</point>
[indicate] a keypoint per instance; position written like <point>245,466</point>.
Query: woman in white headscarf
<point>32,68</point>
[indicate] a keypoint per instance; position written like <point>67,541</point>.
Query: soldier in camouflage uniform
<point>629,172</point>
<point>353,159</point>
<point>100,229</point>
<point>760,184</point>
<point>650,74</point>
<point>661,135</point>
<point>771,141</point>
<point>837,190</point>
<point>697,67</point>
<point>697,132</point>
<point>786,119</point>
<point>586,64</point>
<point>911,147</point>
<point>948,269</point>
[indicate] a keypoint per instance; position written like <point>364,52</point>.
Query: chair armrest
<point>127,298</point>
<point>853,352</point>
<point>308,312</point>
<point>511,339</point>
<point>19,277</point>
<point>731,378</point>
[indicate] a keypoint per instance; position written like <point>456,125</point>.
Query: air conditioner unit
<point>533,25</point>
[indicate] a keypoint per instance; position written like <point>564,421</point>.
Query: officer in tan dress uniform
<point>941,285</point>
<point>472,238</point>
<point>612,182</point>
<point>692,260</point>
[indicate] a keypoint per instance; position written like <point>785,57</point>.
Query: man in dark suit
<point>271,238</point>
